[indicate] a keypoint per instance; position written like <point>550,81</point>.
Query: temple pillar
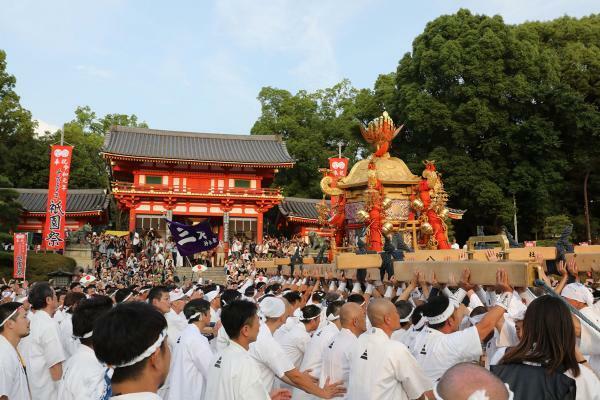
<point>131,220</point>
<point>220,233</point>
<point>259,227</point>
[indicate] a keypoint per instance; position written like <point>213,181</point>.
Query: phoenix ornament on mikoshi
<point>380,132</point>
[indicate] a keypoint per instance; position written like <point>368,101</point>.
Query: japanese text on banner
<point>20,255</point>
<point>54,227</point>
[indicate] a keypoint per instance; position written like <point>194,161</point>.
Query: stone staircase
<point>217,275</point>
<point>81,253</point>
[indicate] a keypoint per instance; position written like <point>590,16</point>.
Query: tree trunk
<point>586,207</point>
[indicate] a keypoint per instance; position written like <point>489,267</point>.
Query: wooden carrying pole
<point>521,274</point>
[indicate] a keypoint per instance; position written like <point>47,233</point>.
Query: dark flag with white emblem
<point>191,239</point>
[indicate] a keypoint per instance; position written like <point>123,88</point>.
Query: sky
<point>198,65</point>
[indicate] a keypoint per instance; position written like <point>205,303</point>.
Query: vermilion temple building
<point>83,206</point>
<point>298,216</point>
<point>191,176</point>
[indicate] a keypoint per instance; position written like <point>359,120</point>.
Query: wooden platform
<point>516,254</point>
<point>482,273</point>
<point>585,261</point>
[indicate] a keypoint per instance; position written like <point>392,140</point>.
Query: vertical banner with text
<point>20,255</point>
<point>338,166</point>
<point>54,227</point>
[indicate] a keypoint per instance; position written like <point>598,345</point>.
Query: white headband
<point>147,353</point>
<point>407,318</point>
<point>332,317</point>
<point>194,316</point>
<point>12,314</point>
<point>85,335</point>
<point>311,318</point>
<point>127,297</point>
<point>438,319</point>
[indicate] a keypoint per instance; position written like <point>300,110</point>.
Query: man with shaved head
<point>381,368</point>
<point>336,354</point>
<point>465,379</point>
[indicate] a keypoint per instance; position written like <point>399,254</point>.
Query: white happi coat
<point>294,342</point>
<point>13,380</point>
<point>176,323</point>
<point>270,357</point>
<point>189,365</point>
<point>65,328</point>
<point>313,357</point>
<point>83,376</point>
<point>41,350</point>
<point>336,359</point>
<point>436,352</point>
<point>384,369</point>
<point>234,375</point>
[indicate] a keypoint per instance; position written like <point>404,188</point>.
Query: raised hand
<point>465,280</point>
<point>542,275</point>
<point>502,281</point>
<point>433,280</point>
<point>452,280</point>
<point>492,255</point>
<point>539,259</point>
<point>572,268</point>
<point>421,279</point>
<point>415,278</point>
<point>560,267</point>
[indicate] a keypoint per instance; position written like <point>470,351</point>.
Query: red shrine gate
<point>192,176</point>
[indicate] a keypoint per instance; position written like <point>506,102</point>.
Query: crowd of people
<point>306,336</point>
<point>147,258</point>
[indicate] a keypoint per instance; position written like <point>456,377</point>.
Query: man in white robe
<point>272,360</point>
<point>233,373</point>
<point>441,344</point>
<point>14,326</point>
<point>84,376</point>
<point>337,353</point>
<point>313,357</point>
<point>382,368</point>
<point>42,349</point>
<point>191,355</point>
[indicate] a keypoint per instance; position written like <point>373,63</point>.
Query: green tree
<point>9,206</point>
<point>574,107</point>
<point>489,102</point>
<point>555,224</point>
<point>313,124</point>
<point>20,152</point>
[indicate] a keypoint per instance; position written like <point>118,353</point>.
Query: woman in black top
<point>546,363</point>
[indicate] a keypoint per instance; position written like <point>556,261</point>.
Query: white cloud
<point>304,31</point>
<point>95,71</point>
<point>44,127</point>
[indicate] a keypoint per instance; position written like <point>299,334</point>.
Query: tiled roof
<point>78,200</point>
<point>300,208</point>
<point>190,146</point>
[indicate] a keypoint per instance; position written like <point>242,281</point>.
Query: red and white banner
<point>54,227</point>
<point>20,255</point>
<point>338,166</point>
<point>531,243</point>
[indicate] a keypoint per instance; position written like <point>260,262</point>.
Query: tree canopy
<point>509,112</point>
